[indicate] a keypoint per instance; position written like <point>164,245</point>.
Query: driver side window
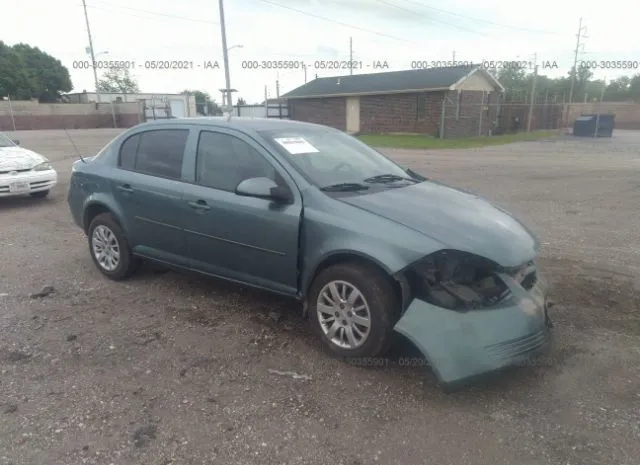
<point>223,161</point>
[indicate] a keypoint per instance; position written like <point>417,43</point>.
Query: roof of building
<point>423,80</point>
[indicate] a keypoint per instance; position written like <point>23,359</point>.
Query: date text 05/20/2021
<point>147,64</point>
<point>342,64</point>
<point>246,65</point>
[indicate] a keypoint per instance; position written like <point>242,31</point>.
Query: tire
<point>39,194</point>
<point>105,227</point>
<point>377,294</point>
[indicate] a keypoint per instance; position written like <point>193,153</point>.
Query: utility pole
<point>225,52</point>
<point>575,66</point>
<point>266,102</point>
<point>533,91</point>
<point>93,57</point>
<point>350,55</point>
<point>304,67</point>
<point>278,89</point>
<point>604,86</point>
<point>454,58</point>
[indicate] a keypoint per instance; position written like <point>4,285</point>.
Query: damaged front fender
<point>462,345</point>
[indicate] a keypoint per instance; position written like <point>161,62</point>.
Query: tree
<point>582,77</point>
<point>634,88</point>
<point>205,105</point>
<point>118,80</point>
<point>14,79</point>
<point>618,89</point>
<point>514,80</point>
<point>47,76</point>
<point>27,72</point>
<point>241,101</point>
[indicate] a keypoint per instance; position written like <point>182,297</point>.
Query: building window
<point>421,106</point>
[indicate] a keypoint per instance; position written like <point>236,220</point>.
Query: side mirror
<point>17,142</point>
<point>263,188</point>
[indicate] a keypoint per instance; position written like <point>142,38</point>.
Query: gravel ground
<point>175,369</point>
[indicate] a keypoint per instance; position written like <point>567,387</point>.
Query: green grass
<point>402,141</point>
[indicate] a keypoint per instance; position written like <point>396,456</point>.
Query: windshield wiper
<point>345,187</point>
<point>417,176</point>
<point>383,178</point>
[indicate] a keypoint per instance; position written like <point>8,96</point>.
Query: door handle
<point>200,205</point>
<point>126,188</point>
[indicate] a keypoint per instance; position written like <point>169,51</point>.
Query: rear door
<point>248,239</point>
<point>149,187</point>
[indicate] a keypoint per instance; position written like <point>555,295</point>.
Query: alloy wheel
<point>106,248</point>
<point>343,314</point>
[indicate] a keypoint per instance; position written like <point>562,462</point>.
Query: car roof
<point>238,123</point>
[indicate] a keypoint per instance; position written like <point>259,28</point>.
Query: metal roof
<point>422,80</point>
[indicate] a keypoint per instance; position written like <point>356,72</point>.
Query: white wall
<point>189,102</point>
<point>477,82</point>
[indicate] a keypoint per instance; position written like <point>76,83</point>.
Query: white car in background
<point>23,171</point>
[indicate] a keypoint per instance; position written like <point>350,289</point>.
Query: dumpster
<point>585,125</point>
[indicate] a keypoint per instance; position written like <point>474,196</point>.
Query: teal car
<point>368,247</point>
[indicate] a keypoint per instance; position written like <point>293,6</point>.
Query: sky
<point>386,35</point>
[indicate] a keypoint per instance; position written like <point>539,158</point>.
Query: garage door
<point>178,108</point>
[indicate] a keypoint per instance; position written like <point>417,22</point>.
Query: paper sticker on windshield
<point>296,145</point>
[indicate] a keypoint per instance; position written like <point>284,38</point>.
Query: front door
<point>353,115</point>
<point>149,190</point>
<point>242,238</point>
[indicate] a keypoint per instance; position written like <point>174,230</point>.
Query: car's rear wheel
<point>39,194</point>
<point>109,248</point>
<point>353,308</point>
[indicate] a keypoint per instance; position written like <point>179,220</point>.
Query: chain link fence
<point>487,115</point>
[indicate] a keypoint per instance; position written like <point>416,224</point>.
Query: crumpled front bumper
<point>464,345</point>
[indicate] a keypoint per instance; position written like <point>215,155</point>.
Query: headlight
<point>457,280</point>
<point>46,166</point>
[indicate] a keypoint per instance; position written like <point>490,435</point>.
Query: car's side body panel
<point>331,227</point>
<point>245,239</point>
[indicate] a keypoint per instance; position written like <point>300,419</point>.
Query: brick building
<point>401,102</point>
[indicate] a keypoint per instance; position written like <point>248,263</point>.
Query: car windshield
<point>5,141</point>
<point>328,157</point>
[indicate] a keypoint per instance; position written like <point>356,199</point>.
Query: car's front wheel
<point>109,248</point>
<point>353,308</point>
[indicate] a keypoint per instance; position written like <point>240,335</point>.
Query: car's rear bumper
<point>461,346</point>
<point>31,181</point>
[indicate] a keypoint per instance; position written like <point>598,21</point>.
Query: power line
<point>313,15</point>
<point>537,31</point>
<point>432,19</point>
<point>148,12</point>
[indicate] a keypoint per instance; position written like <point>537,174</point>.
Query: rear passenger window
<point>128,152</point>
<point>157,153</point>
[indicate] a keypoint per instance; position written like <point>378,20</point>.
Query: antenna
<point>74,145</point>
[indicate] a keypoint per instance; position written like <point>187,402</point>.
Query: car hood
<point>18,158</point>
<point>454,218</point>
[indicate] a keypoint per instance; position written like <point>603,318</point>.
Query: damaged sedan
<point>307,211</point>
